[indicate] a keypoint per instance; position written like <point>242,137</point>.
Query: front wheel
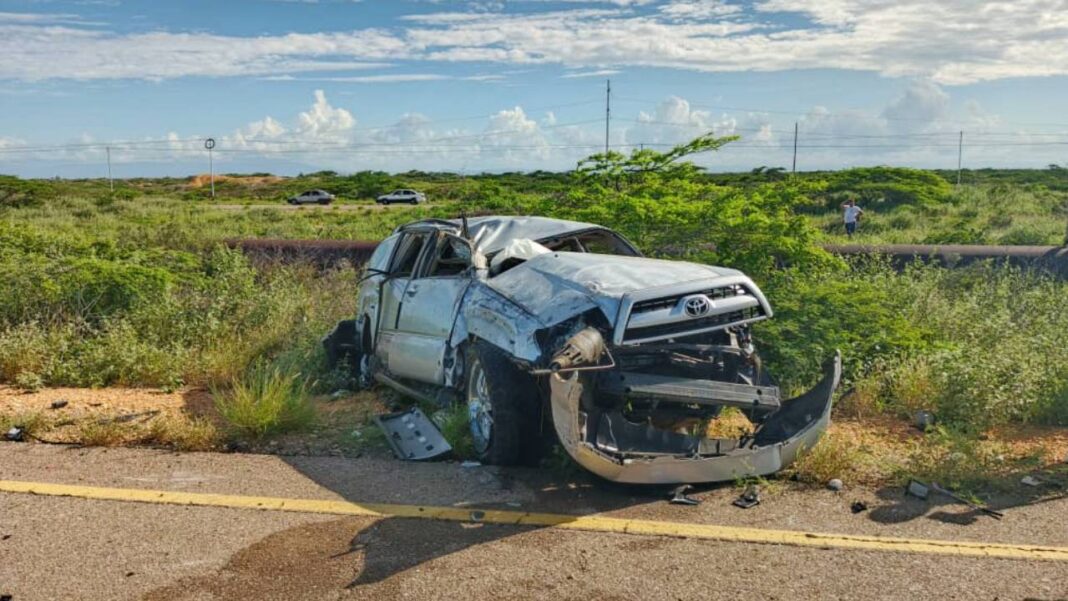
<point>501,406</point>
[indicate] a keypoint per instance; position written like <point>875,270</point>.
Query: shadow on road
<point>392,545</point>
<point>901,508</point>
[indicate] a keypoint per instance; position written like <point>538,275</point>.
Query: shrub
<point>885,187</point>
<point>1025,236</point>
<point>265,401</point>
<point>20,193</point>
<point>455,425</point>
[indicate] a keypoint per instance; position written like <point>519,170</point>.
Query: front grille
<point>692,325</point>
<point>668,302</point>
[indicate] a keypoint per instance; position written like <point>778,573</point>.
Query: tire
<point>414,201</point>
<point>502,406</point>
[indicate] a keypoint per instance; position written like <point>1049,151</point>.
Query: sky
<point>292,86</point>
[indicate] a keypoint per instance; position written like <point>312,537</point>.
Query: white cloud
<point>917,127</point>
<point>597,73</point>
<point>949,42</point>
<point>323,120</point>
<point>699,9</point>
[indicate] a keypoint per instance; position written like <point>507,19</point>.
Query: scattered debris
<point>16,434</point>
<point>59,404</point>
<point>471,464</point>
<point>858,506</point>
<point>340,394</point>
<point>412,436</point>
<point>679,496</point>
<point>917,489</point>
<point>237,446</point>
<point>749,498</point>
<point>952,495</point>
<point>835,484</point>
<point>129,417</point>
<point>1031,481</point>
<point>924,420</point>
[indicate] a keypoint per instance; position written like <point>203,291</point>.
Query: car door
<point>402,268</point>
<point>426,317</point>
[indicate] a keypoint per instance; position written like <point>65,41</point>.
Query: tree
<point>616,169</point>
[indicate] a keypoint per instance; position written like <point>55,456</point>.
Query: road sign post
<point>210,145</point>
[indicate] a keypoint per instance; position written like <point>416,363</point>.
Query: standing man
<point>851,215</point>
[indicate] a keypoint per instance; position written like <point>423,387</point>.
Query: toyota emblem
<point>697,306</point>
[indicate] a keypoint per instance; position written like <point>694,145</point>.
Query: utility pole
<point>111,182</point>
<point>794,169</point>
<point>607,111</point>
<point>960,155</point>
<point>210,144</point>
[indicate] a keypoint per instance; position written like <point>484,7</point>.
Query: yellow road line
<point>567,522</point>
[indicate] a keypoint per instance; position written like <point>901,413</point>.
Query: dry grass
<point>103,433</point>
<point>182,433</point>
<point>884,451</point>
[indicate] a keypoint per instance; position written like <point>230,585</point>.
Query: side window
<point>380,258</point>
<point>452,258</point>
<point>407,255</point>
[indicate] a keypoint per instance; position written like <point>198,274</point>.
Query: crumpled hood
<point>559,285</point>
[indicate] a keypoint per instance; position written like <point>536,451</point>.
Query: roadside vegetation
<point>135,288</point>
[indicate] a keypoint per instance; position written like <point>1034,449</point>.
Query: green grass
<point>265,401</point>
<point>980,214</point>
<point>135,288</point>
<point>455,426</point>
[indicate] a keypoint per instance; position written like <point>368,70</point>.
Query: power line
<point>795,113</point>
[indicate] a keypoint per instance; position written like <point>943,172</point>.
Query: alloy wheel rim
<point>479,408</point>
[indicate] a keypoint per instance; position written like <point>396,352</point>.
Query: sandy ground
<point>65,548</point>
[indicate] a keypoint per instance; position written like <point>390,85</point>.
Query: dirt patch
<point>200,181</point>
<point>873,451</point>
<point>101,402</point>
<point>185,419</point>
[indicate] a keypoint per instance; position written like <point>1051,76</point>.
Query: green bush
<point>17,193</point>
<point>265,401</point>
<point>886,187</point>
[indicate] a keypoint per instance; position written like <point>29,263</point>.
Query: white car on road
<point>321,197</point>
<point>403,196</point>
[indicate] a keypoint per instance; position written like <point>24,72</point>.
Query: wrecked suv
<point>538,325</point>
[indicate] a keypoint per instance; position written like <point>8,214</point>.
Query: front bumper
<point>776,444</point>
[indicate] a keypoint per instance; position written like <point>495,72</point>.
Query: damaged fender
<point>798,425</point>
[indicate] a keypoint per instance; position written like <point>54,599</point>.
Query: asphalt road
<point>74,548</point>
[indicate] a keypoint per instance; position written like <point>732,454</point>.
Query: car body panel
<point>762,457</point>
